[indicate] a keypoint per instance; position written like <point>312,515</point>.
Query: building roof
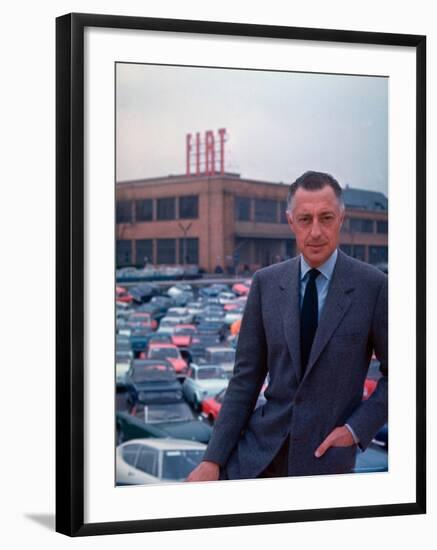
<point>364,200</point>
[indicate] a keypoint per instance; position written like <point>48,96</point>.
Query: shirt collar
<point>326,269</point>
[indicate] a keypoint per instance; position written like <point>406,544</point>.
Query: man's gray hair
<point>314,181</point>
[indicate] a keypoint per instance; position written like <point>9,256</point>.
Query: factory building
<point>223,221</point>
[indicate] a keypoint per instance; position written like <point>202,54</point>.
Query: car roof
<point>168,443</point>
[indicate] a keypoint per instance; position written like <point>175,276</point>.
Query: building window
<point>144,210</point>
<point>382,227</point>
<point>124,253</point>
<point>166,251</point>
<point>124,211</point>
<point>143,252</point>
<point>189,207</point>
<point>357,251</point>
<point>378,254</point>
<point>265,211</point>
<point>191,247</point>
<point>360,225</point>
<point>242,209</point>
<point>166,209</point>
<point>283,215</point>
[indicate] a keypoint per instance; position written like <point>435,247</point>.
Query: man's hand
<point>339,437</point>
<point>205,471</point>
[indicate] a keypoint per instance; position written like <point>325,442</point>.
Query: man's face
<point>316,219</point>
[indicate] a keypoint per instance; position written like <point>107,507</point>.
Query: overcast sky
<point>279,124</point>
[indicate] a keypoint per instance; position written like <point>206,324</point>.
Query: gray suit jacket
<point>307,407</point>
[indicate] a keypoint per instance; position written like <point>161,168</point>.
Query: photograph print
<point>251,284</point>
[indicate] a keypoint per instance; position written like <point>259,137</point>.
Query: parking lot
<point>175,352</point>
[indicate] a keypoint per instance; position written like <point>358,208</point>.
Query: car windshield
<point>208,373</point>
<point>162,353</point>
<point>167,322</point>
<point>225,356</point>
<point>184,331</point>
<point>178,464</point>
<point>171,412</point>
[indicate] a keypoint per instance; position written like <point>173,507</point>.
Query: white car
<point>226,298</point>
<point>220,355</point>
<point>168,324</point>
<point>122,365</point>
<point>164,460</point>
<point>181,313</point>
<point>234,315</point>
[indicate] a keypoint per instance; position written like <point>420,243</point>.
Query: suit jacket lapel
<point>337,303</point>
<point>289,303</point>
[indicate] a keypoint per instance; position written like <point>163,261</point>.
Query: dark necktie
<point>309,317</point>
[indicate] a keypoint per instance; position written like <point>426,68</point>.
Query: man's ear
<point>290,221</point>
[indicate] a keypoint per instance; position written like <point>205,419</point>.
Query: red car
<point>369,388</point>
<point>122,295</point>
<point>183,335</point>
<point>171,353</point>
<point>211,406</point>
<point>242,289</point>
<point>142,320</point>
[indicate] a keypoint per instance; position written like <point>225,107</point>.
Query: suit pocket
<point>340,459</point>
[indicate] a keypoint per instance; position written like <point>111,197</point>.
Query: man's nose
<point>315,229</point>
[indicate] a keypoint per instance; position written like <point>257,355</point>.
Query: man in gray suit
<point>311,324</point>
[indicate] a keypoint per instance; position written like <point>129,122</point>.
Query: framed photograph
<point>188,157</point>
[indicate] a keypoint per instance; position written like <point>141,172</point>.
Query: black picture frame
<point>70,272</point>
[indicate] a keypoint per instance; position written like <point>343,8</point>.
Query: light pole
<point>184,230</point>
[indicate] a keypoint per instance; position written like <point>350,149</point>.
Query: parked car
<point>373,459</point>
<point>203,381</point>
<point>221,356</point>
<point>122,366</point>
<point>183,335</point>
<point>142,319</point>
<point>171,353</point>
<point>211,406</point>
<point>216,328</point>
<point>234,315</point>
<point>168,324</point>
<point>181,314</point>
<point>369,388</point>
<point>161,417</point>
<point>241,289</point>
<point>139,340</point>
<point>226,298</point>
<point>159,337</point>
<point>142,461</point>
<point>149,379</point>
<point>122,295</point>
<point>143,292</point>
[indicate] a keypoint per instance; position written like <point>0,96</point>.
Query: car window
<point>148,461</point>
<point>178,464</point>
<point>130,454</point>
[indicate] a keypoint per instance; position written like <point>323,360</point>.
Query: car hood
<point>192,429</point>
<point>212,386</point>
